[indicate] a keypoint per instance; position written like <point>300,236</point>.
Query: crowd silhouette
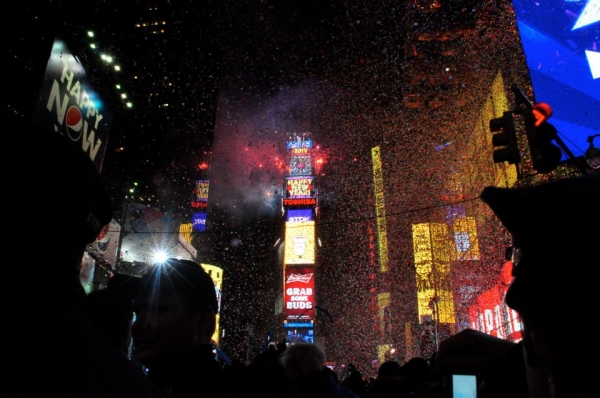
<point>61,342</point>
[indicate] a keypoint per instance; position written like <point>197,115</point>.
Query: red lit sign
<point>199,205</point>
<point>299,294</point>
<point>491,315</point>
<point>299,202</point>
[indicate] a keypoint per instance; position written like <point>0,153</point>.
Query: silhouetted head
<point>175,312</point>
<point>554,226</point>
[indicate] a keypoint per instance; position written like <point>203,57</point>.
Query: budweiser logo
<point>305,278</point>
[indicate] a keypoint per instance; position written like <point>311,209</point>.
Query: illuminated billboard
<point>299,215</point>
<point>466,241</point>
<point>199,221</point>
<point>299,295</point>
<point>300,151</point>
<point>300,166</point>
<point>299,242</point>
<point>300,335</point>
<point>432,257</point>
<point>304,202</point>
<point>298,187</point>
<point>201,191</point>
<point>70,106</point>
<point>299,141</point>
<point>491,315</point>
<point>560,40</point>
<point>216,274</point>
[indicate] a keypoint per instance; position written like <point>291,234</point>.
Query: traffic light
<point>506,137</point>
<point>545,156</point>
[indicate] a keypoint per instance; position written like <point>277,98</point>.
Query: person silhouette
<point>50,346</point>
<point>172,335</point>
<point>554,229</point>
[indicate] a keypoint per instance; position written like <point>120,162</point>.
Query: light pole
<point>433,304</point>
<point>592,155</point>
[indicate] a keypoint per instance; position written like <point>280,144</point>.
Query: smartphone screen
<point>464,386</point>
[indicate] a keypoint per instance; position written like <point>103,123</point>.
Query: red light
<point>541,112</point>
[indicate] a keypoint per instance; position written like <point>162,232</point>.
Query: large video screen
<point>299,294</point>
<point>300,187</point>
<point>560,40</point>
<point>299,215</point>
<point>299,243</point>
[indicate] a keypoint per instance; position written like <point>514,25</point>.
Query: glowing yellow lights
<point>383,311</point>
<point>380,209</point>
<point>465,238</point>
<point>117,68</point>
<point>433,252</point>
<point>129,105</point>
<point>123,95</point>
<point>299,242</point>
<point>93,46</point>
<point>216,273</point>
<point>90,33</point>
<point>107,58</point>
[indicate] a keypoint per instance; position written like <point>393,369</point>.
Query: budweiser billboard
<point>299,294</point>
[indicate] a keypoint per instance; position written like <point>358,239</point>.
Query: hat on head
<point>183,277</point>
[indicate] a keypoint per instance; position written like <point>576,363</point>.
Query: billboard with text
<point>299,294</point>
<point>299,243</point>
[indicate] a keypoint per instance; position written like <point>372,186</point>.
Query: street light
<point>592,155</point>
<point>433,304</point>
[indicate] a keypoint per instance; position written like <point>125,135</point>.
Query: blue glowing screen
<point>561,40</point>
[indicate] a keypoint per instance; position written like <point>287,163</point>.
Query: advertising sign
<point>305,202</point>
<point>300,166</point>
<point>69,105</point>
<point>107,243</point>
<point>560,41</point>
<point>299,215</point>
<point>199,221</point>
<point>299,141</point>
<point>299,243</point>
<point>201,191</point>
<point>299,295</point>
<point>216,273</point>
<point>300,335</point>
<point>491,315</point>
<point>297,187</point>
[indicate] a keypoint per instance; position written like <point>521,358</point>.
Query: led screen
<point>560,40</point>
<point>300,166</point>
<point>201,191</point>
<point>299,187</point>
<point>299,141</point>
<point>299,294</point>
<point>299,242</point>
<point>300,335</point>
<point>299,215</point>
<point>199,221</point>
